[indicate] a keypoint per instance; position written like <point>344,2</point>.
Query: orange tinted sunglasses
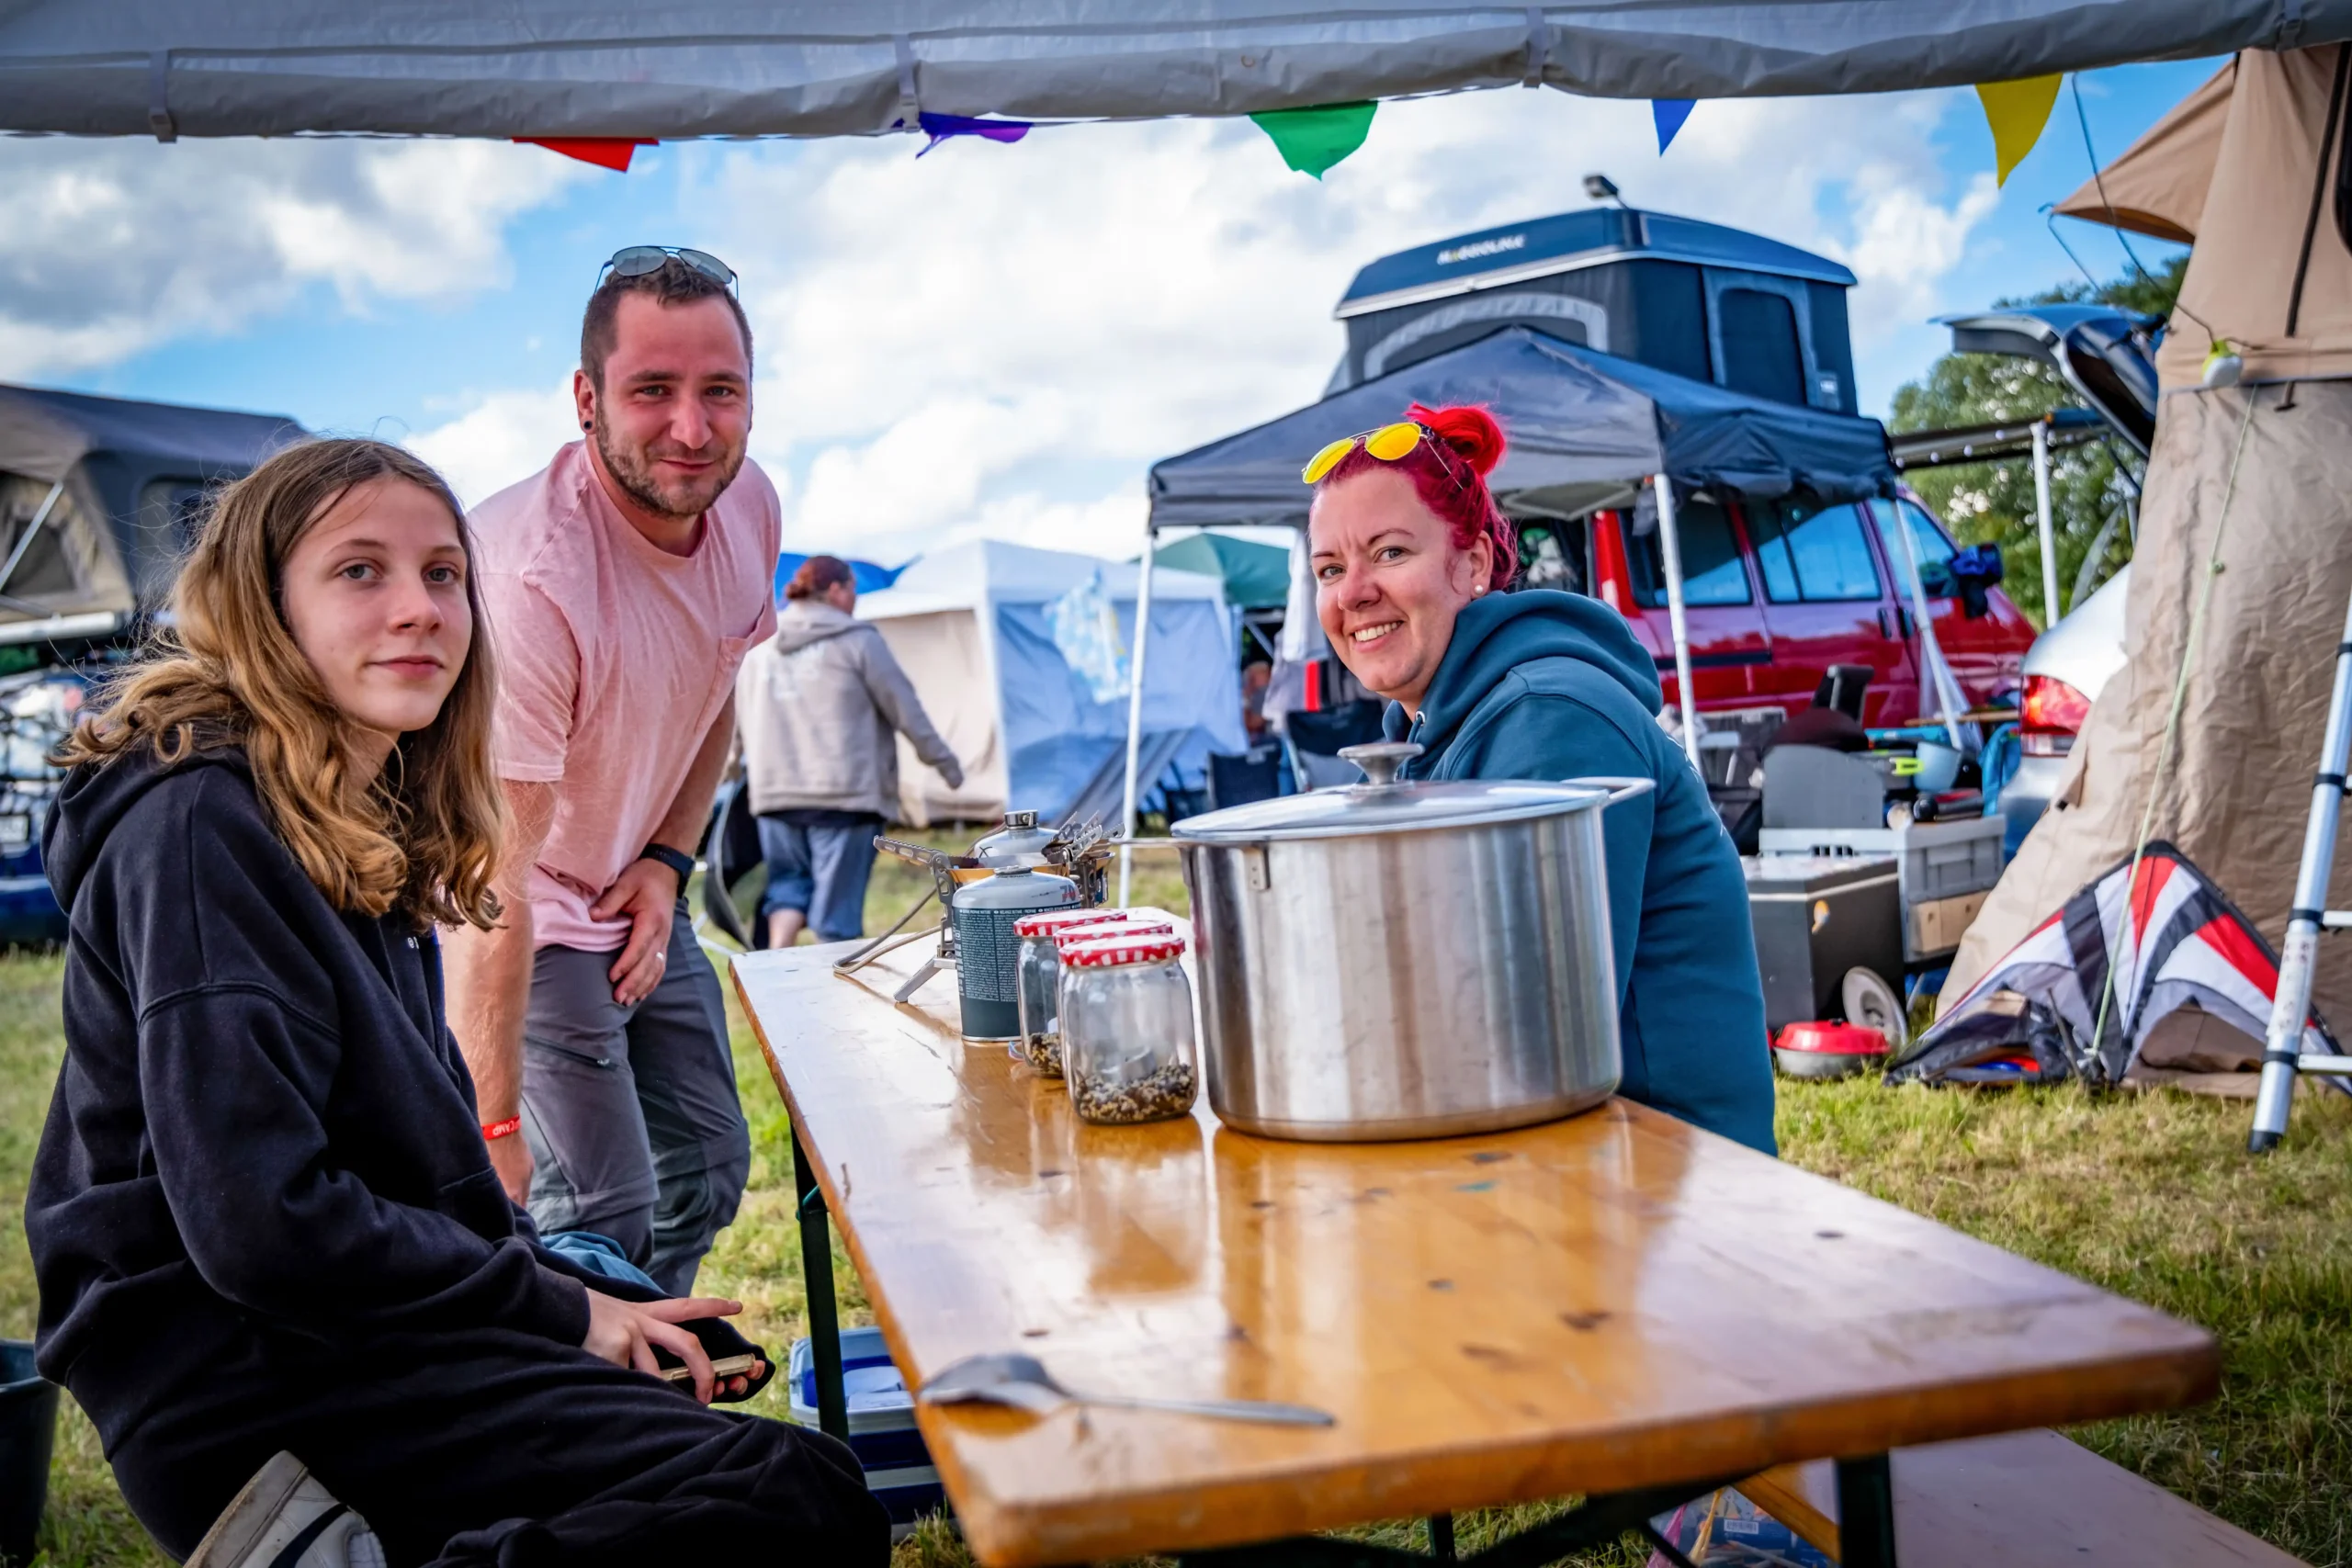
<point>1388,443</point>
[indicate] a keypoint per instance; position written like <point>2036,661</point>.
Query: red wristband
<point>494,1131</point>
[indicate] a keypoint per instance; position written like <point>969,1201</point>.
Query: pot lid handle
<point>1381,759</point>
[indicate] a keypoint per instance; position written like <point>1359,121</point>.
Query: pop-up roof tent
<point>97,496</point>
<point>971,628</point>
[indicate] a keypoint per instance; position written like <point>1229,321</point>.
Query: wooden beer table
<point>1617,1306</point>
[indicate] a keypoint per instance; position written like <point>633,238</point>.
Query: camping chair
<point>1237,779</point>
<point>1314,738</point>
<point>734,873</point>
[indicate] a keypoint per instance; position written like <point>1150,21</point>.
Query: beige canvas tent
<point>2254,480</point>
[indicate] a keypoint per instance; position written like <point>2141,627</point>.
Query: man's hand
<point>625,1332</point>
<point>511,1157</point>
<point>953,771</point>
<point>647,893</point>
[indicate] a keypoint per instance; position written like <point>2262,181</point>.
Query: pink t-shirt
<point>613,657</point>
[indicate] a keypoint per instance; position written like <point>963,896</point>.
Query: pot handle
<point>1380,760</point>
<point>1619,790</point>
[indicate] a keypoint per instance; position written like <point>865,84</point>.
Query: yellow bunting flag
<point>2016,112</point>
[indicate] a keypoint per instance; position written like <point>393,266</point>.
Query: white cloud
<point>503,437</point>
<point>1003,338</point>
<point>115,245</point>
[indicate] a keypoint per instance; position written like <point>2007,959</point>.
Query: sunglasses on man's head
<point>636,261</point>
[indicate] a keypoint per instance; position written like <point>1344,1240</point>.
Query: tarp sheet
<point>2235,790</point>
<point>1585,429</point>
<point>968,626</point>
<point>559,68</point>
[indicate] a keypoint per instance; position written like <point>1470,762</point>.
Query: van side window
<point>1812,554</point>
<point>1761,356</point>
<point>1711,571</point>
<point>1935,551</point>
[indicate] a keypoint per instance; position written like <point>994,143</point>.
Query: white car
<point>2064,671</point>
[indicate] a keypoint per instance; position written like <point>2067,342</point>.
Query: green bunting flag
<point>1311,140</point>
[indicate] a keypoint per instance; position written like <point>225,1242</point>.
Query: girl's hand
<point>625,1332</point>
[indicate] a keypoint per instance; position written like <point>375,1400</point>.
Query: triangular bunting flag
<point>1312,140</point>
<point>606,152</point>
<point>1669,114</point>
<point>940,127</point>
<point>2016,112</point>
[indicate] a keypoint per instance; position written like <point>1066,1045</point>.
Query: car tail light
<point>2052,716</point>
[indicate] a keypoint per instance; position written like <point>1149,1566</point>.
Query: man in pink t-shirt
<point>622,584</point>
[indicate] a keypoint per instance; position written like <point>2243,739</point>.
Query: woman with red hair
<point>1410,555</point>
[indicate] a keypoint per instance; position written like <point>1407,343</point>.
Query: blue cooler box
<point>882,1432</point>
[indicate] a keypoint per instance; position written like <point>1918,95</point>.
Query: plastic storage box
<point>1816,918</point>
<point>882,1433</point>
<point>1944,870</point>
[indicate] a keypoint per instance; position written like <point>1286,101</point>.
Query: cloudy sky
<point>990,340</point>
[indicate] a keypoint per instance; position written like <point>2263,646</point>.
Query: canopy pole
<point>1931,652</point>
<point>1135,704</point>
<point>2050,611</point>
<point>1669,539</point>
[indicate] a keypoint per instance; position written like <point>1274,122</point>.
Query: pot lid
<point>1376,806</point>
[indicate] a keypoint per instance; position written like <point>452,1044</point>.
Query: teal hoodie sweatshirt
<point>1547,686</point>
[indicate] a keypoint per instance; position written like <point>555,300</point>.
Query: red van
<point>1777,593</point>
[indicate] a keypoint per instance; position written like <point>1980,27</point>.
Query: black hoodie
<point>263,1148</point>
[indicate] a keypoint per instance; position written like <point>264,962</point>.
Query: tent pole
<point>1669,539</point>
<point>2050,611</point>
<point>1949,702</point>
<point>24,539</point>
<point>1135,703</point>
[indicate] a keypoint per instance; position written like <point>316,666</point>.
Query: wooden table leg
<point>1865,1513</point>
<point>817,1279</point>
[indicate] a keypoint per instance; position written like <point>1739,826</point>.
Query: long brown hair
<point>423,837</point>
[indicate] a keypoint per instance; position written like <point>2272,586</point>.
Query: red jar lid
<point>1133,947</point>
<point>1050,920</point>
<point>1070,936</point>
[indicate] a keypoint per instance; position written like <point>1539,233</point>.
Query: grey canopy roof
<point>621,68</point>
<point>1585,430</point>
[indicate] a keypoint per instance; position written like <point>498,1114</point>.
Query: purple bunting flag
<point>940,127</point>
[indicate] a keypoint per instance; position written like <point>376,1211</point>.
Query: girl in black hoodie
<point>262,1215</point>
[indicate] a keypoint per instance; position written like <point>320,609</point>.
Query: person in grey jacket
<point>820,707</point>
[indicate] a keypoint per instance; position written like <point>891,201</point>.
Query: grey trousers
<point>635,1127</point>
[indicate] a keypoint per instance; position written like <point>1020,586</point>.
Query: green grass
<point>2148,1195</point>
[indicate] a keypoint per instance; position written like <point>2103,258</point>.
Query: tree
<point>1994,502</point>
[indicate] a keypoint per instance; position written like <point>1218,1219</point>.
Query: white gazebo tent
<point>970,627</point>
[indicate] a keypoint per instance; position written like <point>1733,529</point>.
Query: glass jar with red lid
<point>1039,1043</point>
<point>1127,1015</point>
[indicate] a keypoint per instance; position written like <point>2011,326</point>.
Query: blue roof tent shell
<point>1492,257</point>
<point>1697,300</point>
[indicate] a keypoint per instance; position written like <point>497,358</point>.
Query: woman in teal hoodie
<point>1410,554</point>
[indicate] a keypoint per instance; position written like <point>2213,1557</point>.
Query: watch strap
<point>682,863</point>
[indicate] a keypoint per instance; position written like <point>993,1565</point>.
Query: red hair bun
<point>1470,430</point>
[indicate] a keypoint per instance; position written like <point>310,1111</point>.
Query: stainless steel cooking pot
<point>1405,960</point>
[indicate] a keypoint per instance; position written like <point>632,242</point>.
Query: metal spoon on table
<point>1022,1383</point>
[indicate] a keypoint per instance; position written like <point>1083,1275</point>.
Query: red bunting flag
<point>606,152</point>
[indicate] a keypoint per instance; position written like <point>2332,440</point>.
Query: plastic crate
<point>1935,863</point>
<point>882,1433</point>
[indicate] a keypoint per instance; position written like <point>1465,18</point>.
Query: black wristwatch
<point>682,865</point>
